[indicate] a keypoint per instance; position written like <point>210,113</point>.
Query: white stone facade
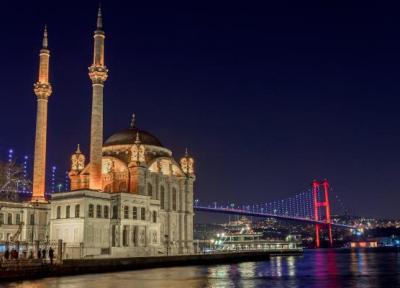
<point>144,208</point>
<point>24,222</point>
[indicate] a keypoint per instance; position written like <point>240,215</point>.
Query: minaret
<point>42,89</point>
<point>98,74</point>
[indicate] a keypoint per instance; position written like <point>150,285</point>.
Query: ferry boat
<point>252,241</point>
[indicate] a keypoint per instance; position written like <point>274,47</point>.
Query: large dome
<point>128,136</point>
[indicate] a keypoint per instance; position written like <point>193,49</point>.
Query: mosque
<point>132,198</point>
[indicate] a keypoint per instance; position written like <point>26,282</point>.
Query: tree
<point>12,180</point>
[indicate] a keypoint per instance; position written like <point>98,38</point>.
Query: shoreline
<point>21,270</point>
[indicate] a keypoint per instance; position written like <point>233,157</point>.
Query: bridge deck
<point>232,211</point>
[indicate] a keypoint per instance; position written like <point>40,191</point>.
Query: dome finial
<point>133,121</point>
<point>137,141</point>
<point>78,149</point>
<point>186,152</point>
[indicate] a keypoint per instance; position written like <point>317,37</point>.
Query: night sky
<point>266,98</point>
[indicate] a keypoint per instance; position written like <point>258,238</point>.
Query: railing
<point>28,253</point>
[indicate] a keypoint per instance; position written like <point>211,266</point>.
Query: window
<point>67,211</point>
<point>115,212</point>
<point>134,235</point>
<point>18,219</point>
<point>113,236</point>
<point>149,190</point>
<point>162,195</point>
<point>32,219</point>
<point>98,211</point>
<point>106,213</point>
<point>1,218</point>
<point>125,235</point>
<point>126,212</point>
<point>154,216</point>
<point>77,210</point>
<point>134,213</point>
<point>91,211</point>
<point>143,213</point>
<point>174,199</point>
<point>9,218</point>
<point>58,212</point>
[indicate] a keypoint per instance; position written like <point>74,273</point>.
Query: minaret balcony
<point>42,90</point>
<point>98,74</point>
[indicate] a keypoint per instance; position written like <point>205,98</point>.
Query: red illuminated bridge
<point>312,207</point>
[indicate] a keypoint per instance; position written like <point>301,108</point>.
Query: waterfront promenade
<point>28,269</point>
<point>328,268</point>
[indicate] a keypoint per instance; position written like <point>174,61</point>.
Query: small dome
<point>128,137</point>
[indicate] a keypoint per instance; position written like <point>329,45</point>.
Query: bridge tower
<point>324,204</point>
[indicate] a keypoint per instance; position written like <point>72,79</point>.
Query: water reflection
<point>291,264</point>
<point>323,268</point>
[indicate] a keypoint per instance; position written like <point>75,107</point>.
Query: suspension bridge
<point>311,207</point>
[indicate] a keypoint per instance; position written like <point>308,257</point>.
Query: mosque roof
<point>129,136</point>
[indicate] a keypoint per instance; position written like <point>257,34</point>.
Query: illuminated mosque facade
<point>132,198</point>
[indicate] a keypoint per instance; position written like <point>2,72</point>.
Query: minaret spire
<point>99,19</point>
<point>43,90</point>
<point>98,73</point>
<point>45,40</point>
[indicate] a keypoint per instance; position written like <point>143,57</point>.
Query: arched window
<point>77,210</point>
<point>162,197</point>
<point>32,219</point>
<point>67,211</point>
<point>134,213</point>
<point>58,212</point>
<point>106,213</point>
<point>91,211</point>
<point>98,211</point>
<point>174,199</point>
<point>18,219</point>
<point>123,187</point>
<point>149,190</point>
<point>1,218</point>
<point>115,212</point>
<point>126,212</point>
<point>154,216</point>
<point>143,213</point>
<point>107,188</point>
<point>9,218</point>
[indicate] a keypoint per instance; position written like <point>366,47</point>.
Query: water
<point>323,268</point>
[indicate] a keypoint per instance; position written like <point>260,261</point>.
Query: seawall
<point>19,270</point>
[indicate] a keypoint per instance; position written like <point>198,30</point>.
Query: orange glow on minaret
<point>98,73</point>
<point>43,90</point>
